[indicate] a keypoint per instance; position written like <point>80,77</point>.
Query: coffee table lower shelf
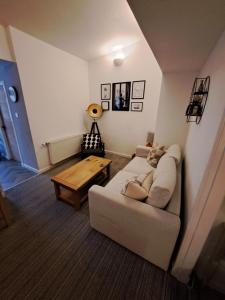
<point>73,197</point>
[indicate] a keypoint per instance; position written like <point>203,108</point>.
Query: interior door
<point>7,129</point>
<point>4,145</point>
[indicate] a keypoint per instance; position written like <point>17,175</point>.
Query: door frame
<point>209,200</point>
<point>2,83</point>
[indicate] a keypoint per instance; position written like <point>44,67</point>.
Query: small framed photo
<point>105,105</point>
<point>137,106</point>
<point>138,89</point>
<point>106,91</point>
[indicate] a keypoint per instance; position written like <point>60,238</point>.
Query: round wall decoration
<point>13,95</point>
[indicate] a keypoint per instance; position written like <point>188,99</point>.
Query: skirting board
<point>30,168</point>
<point>43,170</point>
<point>36,170</point>
<point>118,153</point>
<point>58,164</point>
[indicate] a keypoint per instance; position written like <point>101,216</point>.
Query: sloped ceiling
<point>86,28</point>
<point>180,33</point>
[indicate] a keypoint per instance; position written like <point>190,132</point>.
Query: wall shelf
<point>198,99</point>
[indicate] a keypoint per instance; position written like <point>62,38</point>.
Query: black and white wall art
<point>138,89</point>
<point>105,105</point>
<point>137,106</point>
<point>121,96</point>
<point>106,91</point>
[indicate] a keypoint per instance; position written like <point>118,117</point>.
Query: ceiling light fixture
<point>118,62</point>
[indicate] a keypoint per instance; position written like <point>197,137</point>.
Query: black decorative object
<point>105,105</point>
<point>121,96</point>
<point>13,95</point>
<point>92,143</point>
<point>198,99</point>
<point>138,89</point>
<point>137,106</point>
<point>106,91</point>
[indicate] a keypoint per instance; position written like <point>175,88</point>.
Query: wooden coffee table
<point>72,184</point>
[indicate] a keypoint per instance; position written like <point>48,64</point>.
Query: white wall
<point>202,203</point>
<point>55,87</point>
<point>201,137</point>
<point>122,131</point>
<point>171,126</point>
<point>4,46</point>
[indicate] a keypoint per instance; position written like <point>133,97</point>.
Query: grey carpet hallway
<point>12,173</point>
<point>51,252</point>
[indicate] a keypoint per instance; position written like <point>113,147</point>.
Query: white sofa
<point>146,230</point>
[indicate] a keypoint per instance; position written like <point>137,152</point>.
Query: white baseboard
<point>30,168</point>
<point>37,171</point>
<point>119,153</point>
<point>43,170</point>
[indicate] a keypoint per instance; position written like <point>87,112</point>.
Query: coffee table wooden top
<point>81,173</point>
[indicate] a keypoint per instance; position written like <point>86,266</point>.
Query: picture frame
<point>105,91</point>
<point>138,89</point>
<point>137,106</point>
<point>121,96</point>
<point>105,105</point>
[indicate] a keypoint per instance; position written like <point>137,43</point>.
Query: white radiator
<point>63,148</point>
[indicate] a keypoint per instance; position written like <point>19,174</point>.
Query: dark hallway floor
<point>12,174</point>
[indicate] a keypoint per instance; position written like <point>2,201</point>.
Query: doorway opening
<point>17,156</point>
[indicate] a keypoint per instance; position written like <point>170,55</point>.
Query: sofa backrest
<point>174,205</point>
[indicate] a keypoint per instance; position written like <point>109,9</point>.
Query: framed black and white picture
<point>105,105</point>
<point>121,96</point>
<point>106,91</point>
<point>137,106</point>
<point>138,89</point>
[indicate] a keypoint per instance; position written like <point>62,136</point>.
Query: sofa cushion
<point>164,164</point>
<point>116,184</point>
<point>175,152</point>
<point>145,180</point>
<point>138,165</point>
<point>164,182</point>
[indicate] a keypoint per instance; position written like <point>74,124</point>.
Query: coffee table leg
<point>4,211</point>
<point>108,171</point>
<point>57,190</point>
<point>77,199</point>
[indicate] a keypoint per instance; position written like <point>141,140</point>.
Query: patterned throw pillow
<point>138,187</point>
<point>155,153</point>
<point>91,141</point>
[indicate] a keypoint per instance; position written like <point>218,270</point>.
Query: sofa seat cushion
<point>117,183</point>
<point>138,165</point>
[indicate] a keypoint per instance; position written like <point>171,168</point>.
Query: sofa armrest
<point>147,231</point>
<point>142,151</point>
